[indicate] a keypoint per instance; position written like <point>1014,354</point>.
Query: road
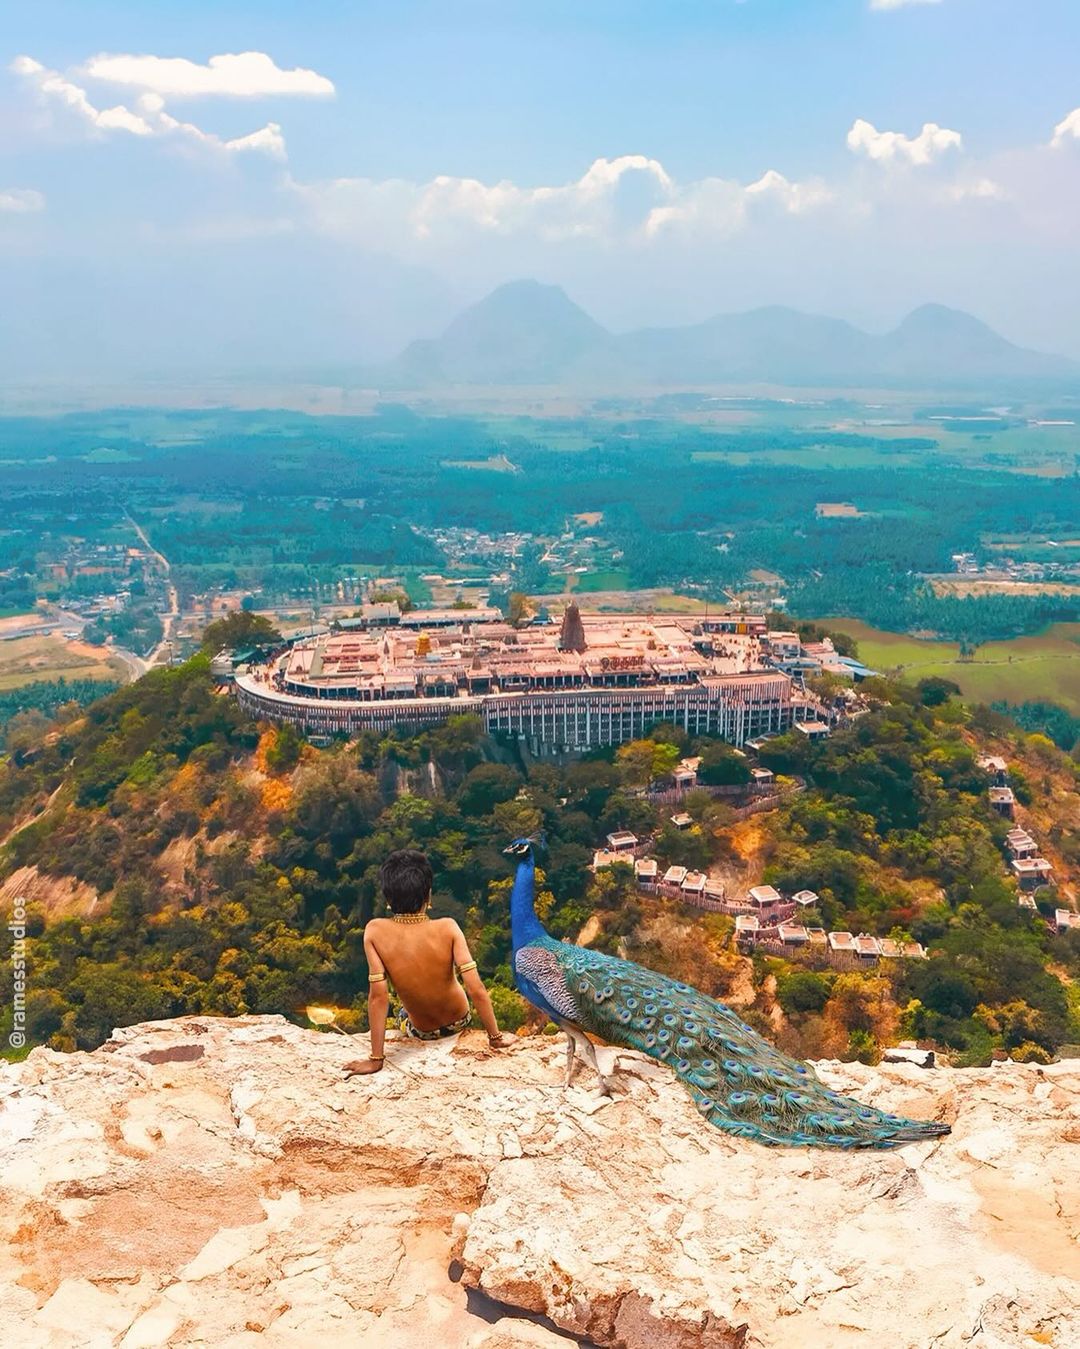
<point>168,620</point>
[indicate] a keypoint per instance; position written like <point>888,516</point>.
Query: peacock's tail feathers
<point>738,1080</point>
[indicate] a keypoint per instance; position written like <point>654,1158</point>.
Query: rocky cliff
<point>218,1182</point>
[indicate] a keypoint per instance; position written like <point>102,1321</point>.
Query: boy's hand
<point>361,1067</point>
<point>500,1041</point>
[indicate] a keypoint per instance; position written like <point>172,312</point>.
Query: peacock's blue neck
<point>524,924</point>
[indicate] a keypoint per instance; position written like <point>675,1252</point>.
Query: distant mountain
<point>528,333</point>
<point>522,333</point>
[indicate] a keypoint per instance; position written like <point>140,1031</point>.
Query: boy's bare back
<point>419,959</point>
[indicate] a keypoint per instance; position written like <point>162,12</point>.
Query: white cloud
<point>631,198</point>
<point>53,85</point>
<point>235,75</point>
<point>1067,129</point>
<point>267,140</point>
<point>722,205</point>
<point>21,200</point>
<point>900,4</point>
<point>150,118</point>
<point>890,146</point>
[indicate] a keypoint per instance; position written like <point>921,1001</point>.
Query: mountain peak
<point>939,318</point>
<point>528,332</point>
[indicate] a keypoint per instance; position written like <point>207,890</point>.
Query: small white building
<point>1031,872</point>
<point>1065,920</point>
<point>622,841</point>
<point>1020,843</point>
<point>693,885</point>
<point>805,899</point>
<point>682,820</point>
<point>813,730</point>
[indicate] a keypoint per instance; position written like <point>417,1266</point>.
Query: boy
<point>420,955</point>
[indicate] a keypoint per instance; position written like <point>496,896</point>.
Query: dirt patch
<point>58,896</point>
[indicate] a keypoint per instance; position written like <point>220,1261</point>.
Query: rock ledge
<point>216,1182</point>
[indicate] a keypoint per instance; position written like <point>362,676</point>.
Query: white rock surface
<point>217,1182</point>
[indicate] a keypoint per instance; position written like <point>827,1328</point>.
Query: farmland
<point>1044,667</point>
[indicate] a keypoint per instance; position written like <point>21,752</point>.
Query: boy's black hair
<point>405,878</point>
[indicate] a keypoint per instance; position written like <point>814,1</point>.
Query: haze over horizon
<point>200,191</point>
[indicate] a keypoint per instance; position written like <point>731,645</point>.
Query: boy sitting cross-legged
<point>420,955</point>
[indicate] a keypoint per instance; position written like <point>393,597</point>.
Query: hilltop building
<point>598,680</point>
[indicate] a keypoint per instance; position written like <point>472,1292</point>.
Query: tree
<point>239,630</point>
<point>284,751</point>
<point>485,787</point>
<point>519,608</point>
<point>644,761</point>
<point>803,991</point>
<point>934,690</point>
<point>722,767</point>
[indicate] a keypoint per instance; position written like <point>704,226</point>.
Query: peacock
<point>739,1082</point>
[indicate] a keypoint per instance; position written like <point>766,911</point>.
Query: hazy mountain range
<point>528,333</point>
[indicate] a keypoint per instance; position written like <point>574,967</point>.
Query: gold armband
<point>464,969</point>
<point>377,978</point>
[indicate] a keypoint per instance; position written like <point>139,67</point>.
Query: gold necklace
<point>408,918</point>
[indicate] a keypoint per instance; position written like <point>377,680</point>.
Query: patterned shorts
<point>443,1032</point>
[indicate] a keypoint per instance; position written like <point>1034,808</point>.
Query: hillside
<point>175,859</point>
<point>526,333</point>
<point>220,1182</point>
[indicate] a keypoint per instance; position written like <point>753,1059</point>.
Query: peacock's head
<point>520,848</point>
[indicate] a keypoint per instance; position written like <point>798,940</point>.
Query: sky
<point>229,185</point>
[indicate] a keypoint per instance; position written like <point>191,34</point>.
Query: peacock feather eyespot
<point>682,1065</point>
<point>651,1008</point>
<point>624,1017</point>
<point>671,1019</point>
<point>691,1027</point>
<point>664,1036</point>
<point>631,1004</point>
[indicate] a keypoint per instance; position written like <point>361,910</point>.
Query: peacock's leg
<point>585,1045</point>
<point>569,1057</point>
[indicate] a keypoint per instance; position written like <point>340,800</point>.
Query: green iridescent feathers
<point>739,1082</point>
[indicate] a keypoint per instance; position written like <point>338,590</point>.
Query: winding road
<point>168,620</point>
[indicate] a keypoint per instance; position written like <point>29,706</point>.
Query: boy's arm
<point>378,1007</point>
<point>474,987</point>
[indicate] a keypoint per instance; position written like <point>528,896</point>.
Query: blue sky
<point>375,165</point>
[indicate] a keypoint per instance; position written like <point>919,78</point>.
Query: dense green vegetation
<point>32,706</point>
<point>241,866</point>
<point>288,505</point>
<point>1058,724</point>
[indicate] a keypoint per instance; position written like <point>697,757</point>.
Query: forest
<point>238,865</point>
